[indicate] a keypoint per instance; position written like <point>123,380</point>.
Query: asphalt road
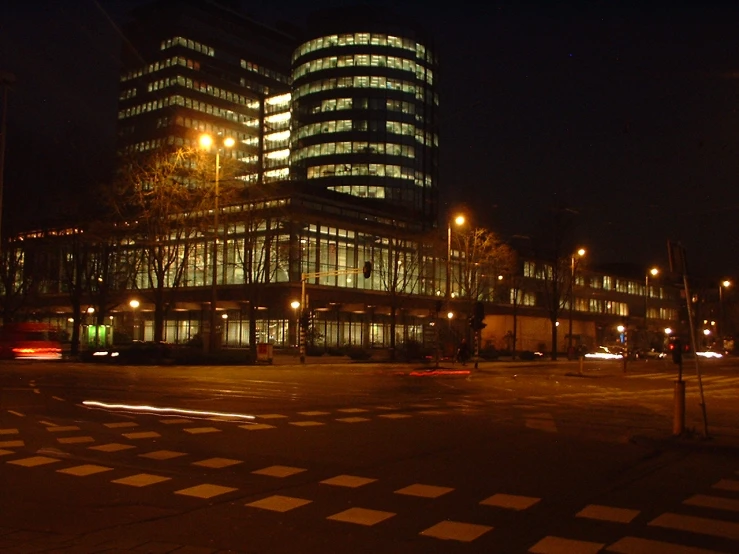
<point>366,458</point>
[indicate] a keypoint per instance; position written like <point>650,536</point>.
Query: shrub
<point>357,353</point>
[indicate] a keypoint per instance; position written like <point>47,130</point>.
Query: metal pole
<point>572,301</point>
<point>646,310</point>
<point>301,327</point>
<point>449,265</point>
<point>212,343</point>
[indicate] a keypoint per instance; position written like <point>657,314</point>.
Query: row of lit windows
<point>187,43</point>
<point>278,103</point>
<point>374,39</point>
<point>365,60</point>
<point>328,148</point>
<point>605,282</point>
<point>163,64</point>
<point>276,175</point>
<point>202,86</point>
<point>361,81</point>
<point>272,74</point>
<point>379,170</point>
<point>126,94</point>
<point>178,100</point>
<point>361,191</point>
<point>343,125</point>
<point>335,104</point>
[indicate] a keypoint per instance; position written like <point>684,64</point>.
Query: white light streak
<point>158,410</point>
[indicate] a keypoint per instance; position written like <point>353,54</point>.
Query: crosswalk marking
<point>111,447</point>
<point>8,431</point>
<point>162,455</point>
<point>142,435</point>
<point>279,471</point>
<point>510,501</point>
<point>307,423</point>
<point>34,461</point>
<point>84,470</point>
<point>256,426</point>
<point>279,503</point>
<point>717,502</point>
<point>352,419</point>
<point>217,463</point>
<point>121,424</point>
<point>456,530</point>
<point>559,545</point>
<point>608,513</point>
<point>11,444</point>
<point>361,516</point>
<point>205,491</point>
<point>425,491</point>
<point>201,430</point>
<point>702,525</point>
<point>141,480</point>
<point>350,481</point>
<point>634,545</point>
<point>74,440</point>
<point>727,485</point>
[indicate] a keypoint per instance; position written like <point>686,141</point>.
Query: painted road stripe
<point>633,545</point>
<point>702,525</point>
<point>608,513</point>
<point>350,481</point>
<point>456,531</point>
<point>8,431</point>
<point>205,491</point>
<point>279,471</point>
<point>141,480</point>
<point>361,516</point>
<point>11,444</point>
<point>352,419</point>
<point>717,502</point>
<point>84,470</point>
<point>559,545</point>
<point>510,501</point>
<point>278,503</point>
<point>424,491</point>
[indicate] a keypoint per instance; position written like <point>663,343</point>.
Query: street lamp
<point>134,306</point>
<point>206,141</point>
<point>458,220</point>
<point>724,285</point>
<point>653,272</point>
<point>577,255</point>
<point>295,305</point>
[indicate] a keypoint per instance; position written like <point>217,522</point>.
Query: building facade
<point>336,135</point>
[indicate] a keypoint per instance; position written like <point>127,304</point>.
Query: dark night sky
<point>625,112</point>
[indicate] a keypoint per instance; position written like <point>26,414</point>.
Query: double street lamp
<point>206,141</point>
<point>573,259</point>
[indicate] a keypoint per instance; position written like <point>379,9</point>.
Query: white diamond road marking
<point>11,444</point>
<point>702,525</point>
<point>352,419</point>
<point>307,423</point>
<point>361,516</point>
<point>84,470</point>
<point>33,461</point>
<point>256,426</point>
<point>271,416</point>
<point>456,530</point>
<point>559,545</point>
<point>715,502</point>
<point>205,491</point>
<point>74,440</point>
<point>424,491</point>
<point>112,447</point>
<point>278,503</point>
<point>395,416</point>
<point>608,513</point>
<point>510,501</point>
<point>314,413</point>
<point>141,480</point>
<point>61,429</point>
<point>142,435</point>
<point>217,463</point>
<point>633,545</point>
<point>121,424</point>
<point>8,431</point>
<point>201,430</point>
<point>351,481</point>
<point>279,471</point>
<point>162,455</point>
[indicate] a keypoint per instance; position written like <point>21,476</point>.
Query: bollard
<point>678,425</point>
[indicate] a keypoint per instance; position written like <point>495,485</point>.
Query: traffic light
<point>479,317</point>
<point>676,346</point>
<point>367,269</point>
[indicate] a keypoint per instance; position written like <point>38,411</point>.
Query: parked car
<point>138,352</point>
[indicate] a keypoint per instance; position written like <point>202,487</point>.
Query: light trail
<point>164,411</point>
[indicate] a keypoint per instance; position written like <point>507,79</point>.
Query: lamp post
<point>724,285</point>
<point>458,220</point>
<point>206,141</point>
<point>579,254</point>
<point>295,305</point>
<point>653,272</point>
<point>134,306</point>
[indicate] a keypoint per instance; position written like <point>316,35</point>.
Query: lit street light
<point>295,305</point>
<point>206,141</point>
<point>653,272</point>
<point>724,285</point>
<point>134,306</point>
<point>458,220</point>
<point>577,255</point>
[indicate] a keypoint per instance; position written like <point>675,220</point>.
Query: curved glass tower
<point>364,113</point>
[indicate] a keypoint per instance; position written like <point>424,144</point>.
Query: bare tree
<point>483,258</point>
<point>17,279</point>
<point>162,199</point>
<point>398,264</point>
<point>554,248</point>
